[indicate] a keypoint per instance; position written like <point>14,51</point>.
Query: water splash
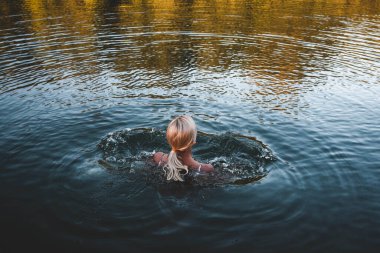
<point>237,159</point>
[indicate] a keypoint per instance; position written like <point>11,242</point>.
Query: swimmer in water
<point>181,135</point>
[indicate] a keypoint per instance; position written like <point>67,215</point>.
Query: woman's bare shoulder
<point>159,157</point>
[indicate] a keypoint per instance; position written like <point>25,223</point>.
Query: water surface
<point>300,78</point>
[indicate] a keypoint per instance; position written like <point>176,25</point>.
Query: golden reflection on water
<point>268,44</point>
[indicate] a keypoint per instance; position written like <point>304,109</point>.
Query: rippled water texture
<point>285,95</point>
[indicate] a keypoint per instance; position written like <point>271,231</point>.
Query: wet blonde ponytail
<point>174,167</point>
<point>181,135</point>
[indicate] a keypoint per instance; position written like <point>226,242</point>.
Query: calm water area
<point>285,95</point>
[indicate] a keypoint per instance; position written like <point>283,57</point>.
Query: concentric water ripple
<point>300,76</point>
<point>270,69</point>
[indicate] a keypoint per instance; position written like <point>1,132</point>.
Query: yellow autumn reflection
<point>267,47</point>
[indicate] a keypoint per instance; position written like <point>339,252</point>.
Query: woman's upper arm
<point>207,168</point>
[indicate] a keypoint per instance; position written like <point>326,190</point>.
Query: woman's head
<point>181,133</point>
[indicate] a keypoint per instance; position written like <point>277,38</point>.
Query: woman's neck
<point>187,158</point>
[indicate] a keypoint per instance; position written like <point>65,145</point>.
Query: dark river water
<point>285,95</point>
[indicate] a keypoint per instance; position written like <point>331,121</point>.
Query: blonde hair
<point>181,135</point>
